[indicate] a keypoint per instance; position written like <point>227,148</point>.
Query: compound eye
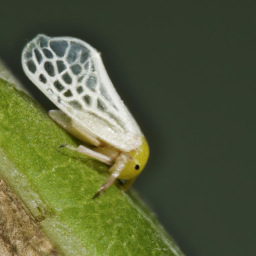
<point>136,167</point>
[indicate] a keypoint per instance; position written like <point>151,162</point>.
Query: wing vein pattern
<point>71,73</point>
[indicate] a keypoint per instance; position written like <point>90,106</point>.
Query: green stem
<point>57,187</point>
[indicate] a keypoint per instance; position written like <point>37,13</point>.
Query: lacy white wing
<point>71,73</point>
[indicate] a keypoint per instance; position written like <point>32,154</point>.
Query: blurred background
<point>186,70</point>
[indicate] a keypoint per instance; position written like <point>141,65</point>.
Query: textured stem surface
<point>50,192</point>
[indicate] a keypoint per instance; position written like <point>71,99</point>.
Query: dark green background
<point>187,72</point>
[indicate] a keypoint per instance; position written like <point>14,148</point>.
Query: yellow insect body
<point>137,163</point>
<point>71,73</point>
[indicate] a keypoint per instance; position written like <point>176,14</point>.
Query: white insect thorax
<point>71,74</point>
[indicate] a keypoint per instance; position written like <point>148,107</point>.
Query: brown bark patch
<point>19,233</point>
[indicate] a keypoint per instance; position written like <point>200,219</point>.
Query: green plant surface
<point>57,187</point>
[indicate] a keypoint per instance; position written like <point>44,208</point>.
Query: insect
<point>71,74</point>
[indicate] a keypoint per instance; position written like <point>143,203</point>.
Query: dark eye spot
<point>137,167</point>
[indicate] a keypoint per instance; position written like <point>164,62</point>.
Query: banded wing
<point>71,74</point>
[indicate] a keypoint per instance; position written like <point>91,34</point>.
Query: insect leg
<point>96,155</point>
<point>91,153</point>
<point>115,171</point>
<point>105,186</point>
